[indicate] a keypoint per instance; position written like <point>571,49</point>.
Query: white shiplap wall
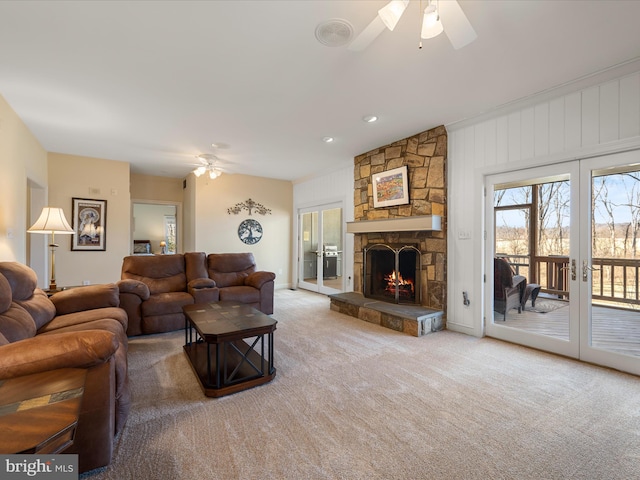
<point>595,116</point>
<point>335,186</point>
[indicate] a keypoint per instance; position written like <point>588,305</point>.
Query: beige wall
<point>148,187</point>
<point>216,231</point>
<point>73,176</point>
<point>23,161</point>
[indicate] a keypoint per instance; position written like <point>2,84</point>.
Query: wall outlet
<point>86,282</point>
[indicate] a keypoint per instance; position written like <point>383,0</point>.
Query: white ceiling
<point>154,83</point>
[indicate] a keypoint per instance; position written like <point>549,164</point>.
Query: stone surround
<point>425,155</point>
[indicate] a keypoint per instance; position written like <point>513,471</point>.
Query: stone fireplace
<point>420,224</point>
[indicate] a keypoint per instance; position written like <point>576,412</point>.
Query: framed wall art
<point>390,187</point>
<point>89,224</point>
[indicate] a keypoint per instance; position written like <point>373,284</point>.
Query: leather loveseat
<point>153,289</point>
<point>77,328</point>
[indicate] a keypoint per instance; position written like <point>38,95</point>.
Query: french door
<point>572,230</point>
<point>320,249</point>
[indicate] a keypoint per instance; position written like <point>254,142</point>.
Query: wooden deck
<point>613,329</point>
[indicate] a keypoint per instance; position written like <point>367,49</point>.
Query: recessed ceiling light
<point>327,139</point>
<point>369,118</point>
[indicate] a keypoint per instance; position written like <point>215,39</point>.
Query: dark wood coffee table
<point>226,346</point>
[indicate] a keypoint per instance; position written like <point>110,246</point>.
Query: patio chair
<point>507,288</point>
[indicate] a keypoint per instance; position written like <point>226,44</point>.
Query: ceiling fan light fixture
<point>431,24</point>
<point>390,14</point>
<point>209,165</point>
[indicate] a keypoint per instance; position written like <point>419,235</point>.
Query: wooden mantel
<point>398,224</point>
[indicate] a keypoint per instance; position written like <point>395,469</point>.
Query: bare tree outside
<point>615,231</point>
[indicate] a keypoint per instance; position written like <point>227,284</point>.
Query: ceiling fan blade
<point>368,35</point>
<point>456,25</point>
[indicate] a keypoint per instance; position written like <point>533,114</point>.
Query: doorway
<point>158,225</point>
<point>321,240</point>
<point>572,230</point>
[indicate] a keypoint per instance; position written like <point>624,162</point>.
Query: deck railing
<point>614,280</point>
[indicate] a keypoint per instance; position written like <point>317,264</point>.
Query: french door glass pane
<point>615,262</point>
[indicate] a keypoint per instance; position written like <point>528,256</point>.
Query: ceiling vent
<point>334,33</point>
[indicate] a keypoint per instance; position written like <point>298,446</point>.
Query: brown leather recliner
<point>238,279</point>
<point>78,328</point>
<point>153,290</point>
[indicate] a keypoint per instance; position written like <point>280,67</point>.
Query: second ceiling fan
<point>438,16</point>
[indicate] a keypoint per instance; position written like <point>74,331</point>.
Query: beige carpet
<point>353,400</point>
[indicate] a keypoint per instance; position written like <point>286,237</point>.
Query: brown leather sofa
<point>153,289</point>
<point>77,328</point>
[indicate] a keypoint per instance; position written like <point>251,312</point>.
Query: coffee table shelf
<point>229,346</point>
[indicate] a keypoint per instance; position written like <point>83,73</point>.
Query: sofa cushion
<point>234,279</point>
<point>22,279</point>
<point>166,303</point>
<point>240,294</point>
<point>18,289</point>
<point>230,269</point>
<point>5,294</point>
<point>86,298</point>
<point>161,273</point>
<point>16,324</point>
<point>39,307</point>
<point>81,318</point>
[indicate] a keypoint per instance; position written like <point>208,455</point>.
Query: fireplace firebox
<point>392,273</point>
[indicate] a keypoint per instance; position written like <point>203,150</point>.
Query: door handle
<point>573,269</point>
<point>585,270</point>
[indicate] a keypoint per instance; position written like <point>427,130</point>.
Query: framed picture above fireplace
<point>390,187</point>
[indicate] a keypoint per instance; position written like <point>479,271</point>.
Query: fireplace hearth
<point>392,273</point>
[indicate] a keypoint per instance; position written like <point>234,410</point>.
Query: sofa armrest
<point>203,290</point>
<point>86,298</point>
<point>258,279</point>
<point>199,283</point>
<point>59,350</point>
<point>135,287</point>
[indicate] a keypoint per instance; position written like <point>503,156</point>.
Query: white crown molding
<point>597,78</point>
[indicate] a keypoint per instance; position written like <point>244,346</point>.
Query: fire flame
<point>406,285</point>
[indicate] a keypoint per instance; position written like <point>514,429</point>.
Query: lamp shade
<point>51,220</point>
<point>391,13</point>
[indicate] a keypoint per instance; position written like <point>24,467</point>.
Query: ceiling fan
<point>210,164</point>
<point>438,16</point>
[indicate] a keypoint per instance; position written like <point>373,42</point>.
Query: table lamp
<point>52,221</point>
<point>163,247</point>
